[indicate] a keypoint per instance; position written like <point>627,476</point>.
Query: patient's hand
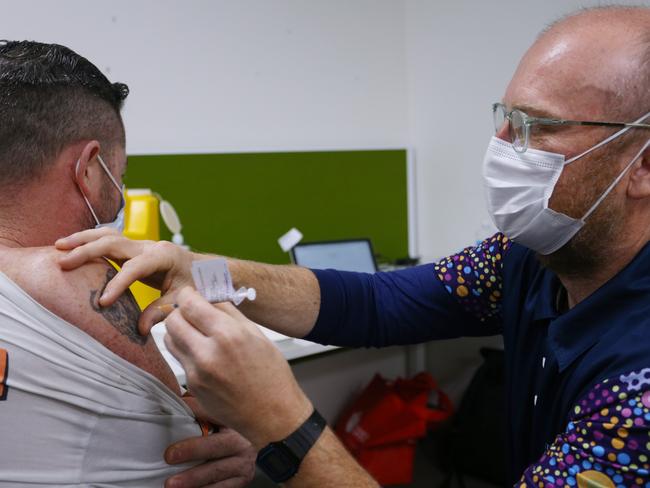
<point>227,458</point>
<point>228,461</point>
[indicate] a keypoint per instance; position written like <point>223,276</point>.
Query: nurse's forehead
<point>579,69</point>
<point>545,93</point>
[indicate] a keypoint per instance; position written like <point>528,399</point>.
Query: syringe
<point>236,298</point>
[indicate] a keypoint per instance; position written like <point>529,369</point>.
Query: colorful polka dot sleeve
<point>607,441</point>
<point>473,276</point>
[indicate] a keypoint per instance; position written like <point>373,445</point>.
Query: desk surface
<point>297,348</point>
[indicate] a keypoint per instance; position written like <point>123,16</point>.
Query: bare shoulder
<point>74,296</point>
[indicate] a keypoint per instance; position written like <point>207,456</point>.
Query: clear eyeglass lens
<point>518,131</point>
<point>499,115</point>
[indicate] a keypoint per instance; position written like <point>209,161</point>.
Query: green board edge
<point>239,204</point>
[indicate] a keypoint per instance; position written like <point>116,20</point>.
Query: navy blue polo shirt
<point>578,382</point>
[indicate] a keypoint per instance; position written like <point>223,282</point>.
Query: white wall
<point>236,75</point>
<point>241,75</point>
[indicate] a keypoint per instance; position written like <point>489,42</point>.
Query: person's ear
<point>86,168</point>
<point>639,182</point>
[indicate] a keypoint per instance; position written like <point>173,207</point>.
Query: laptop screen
<point>352,255</point>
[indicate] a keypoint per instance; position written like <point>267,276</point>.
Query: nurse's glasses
<point>519,124</point>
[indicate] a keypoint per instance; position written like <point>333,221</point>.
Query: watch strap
<point>292,449</point>
<point>306,436</point>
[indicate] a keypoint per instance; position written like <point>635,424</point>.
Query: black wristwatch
<point>280,460</point>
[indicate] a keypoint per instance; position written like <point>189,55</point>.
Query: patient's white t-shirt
<point>73,413</point>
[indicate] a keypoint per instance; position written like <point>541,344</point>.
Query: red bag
<point>381,427</point>
<point>391,464</point>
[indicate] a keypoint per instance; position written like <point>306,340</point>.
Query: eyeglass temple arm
<point>535,120</point>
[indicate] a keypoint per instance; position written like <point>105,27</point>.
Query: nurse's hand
<point>227,461</point>
<point>162,265</point>
<point>234,372</point>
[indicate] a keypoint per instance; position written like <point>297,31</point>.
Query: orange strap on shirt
<point>3,374</point>
<point>207,428</point>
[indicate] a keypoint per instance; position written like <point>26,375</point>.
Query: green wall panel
<point>239,204</point>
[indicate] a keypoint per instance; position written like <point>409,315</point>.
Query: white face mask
<point>519,186</point>
<point>118,222</point>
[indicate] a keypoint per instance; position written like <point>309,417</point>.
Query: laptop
<point>344,255</point>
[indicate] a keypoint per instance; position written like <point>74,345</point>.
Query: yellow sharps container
<point>142,222</point>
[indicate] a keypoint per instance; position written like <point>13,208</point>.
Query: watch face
<point>277,463</point>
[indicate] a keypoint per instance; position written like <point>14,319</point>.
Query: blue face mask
<point>118,222</point>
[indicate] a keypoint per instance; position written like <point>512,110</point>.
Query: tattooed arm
<point>73,295</point>
<point>221,459</point>
<point>122,315</point>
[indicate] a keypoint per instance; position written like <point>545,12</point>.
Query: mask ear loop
<point>609,139</point>
<point>113,180</point>
<point>121,189</point>
<point>76,173</point>
<point>615,182</point>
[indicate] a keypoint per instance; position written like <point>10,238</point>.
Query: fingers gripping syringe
<point>212,279</point>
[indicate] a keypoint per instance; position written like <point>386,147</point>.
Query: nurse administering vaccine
<point>564,281</point>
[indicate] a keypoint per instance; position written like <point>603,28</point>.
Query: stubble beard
<point>586,253</point>
<point>109,210</point>
<point>105,213</point>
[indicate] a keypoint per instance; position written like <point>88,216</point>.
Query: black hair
<point>51,97</point>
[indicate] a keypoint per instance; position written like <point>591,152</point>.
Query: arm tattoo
<point>123,314</point>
